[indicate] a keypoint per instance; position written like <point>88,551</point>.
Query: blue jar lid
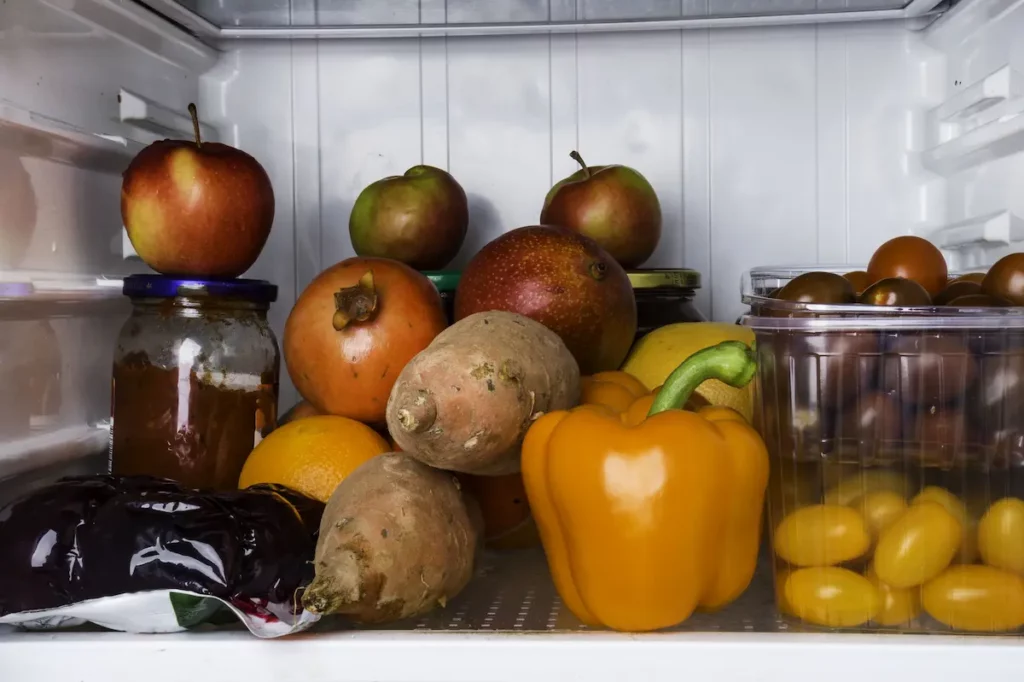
<point>160,286</point>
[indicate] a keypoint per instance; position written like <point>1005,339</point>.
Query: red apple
<point>562,280</point>
<point>200,209</point>
<point>613,205</point>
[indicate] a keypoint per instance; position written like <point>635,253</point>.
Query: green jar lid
<point>444,280</point>
<point>655,279</point>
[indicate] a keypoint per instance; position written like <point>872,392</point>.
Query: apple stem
<point>195,123</point>
<point>579,159</point>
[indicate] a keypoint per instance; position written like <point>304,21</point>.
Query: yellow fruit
<point>880,509</point>
<point>312,455</point>
<point>896,606</point>
<point>860,483</point>
<point>781,576</point>
<point>969,539</point>
<point>657,354</point>
<point>1001,535</point>
<point>918,546</point>
<point>976,598</point>
<point>831,596</point>
<point>821,535</point>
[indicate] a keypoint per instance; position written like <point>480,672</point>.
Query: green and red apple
<point>419,218</point>
<point>613,205</point>
<point>198,209</point>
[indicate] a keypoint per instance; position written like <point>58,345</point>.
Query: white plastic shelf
<point>36,135</point>
<point>982,122</point>
<point>374,19</point>
<point>32,295</point>
<point>157,121</point>
<point>509,626</point>
<point>52,447</point>
<point>1001,228</point>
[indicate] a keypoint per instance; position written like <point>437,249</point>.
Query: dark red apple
<point>561,279</point>
<point>613,205</point>
<point>419,218</point>
<point>201,209</point>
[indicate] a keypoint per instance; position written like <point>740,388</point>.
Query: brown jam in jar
<point>195,379</point>
<point>664,297</point>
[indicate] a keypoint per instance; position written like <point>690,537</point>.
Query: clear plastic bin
<point>896,500</point>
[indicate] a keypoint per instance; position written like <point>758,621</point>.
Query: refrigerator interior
<point>774,132</point>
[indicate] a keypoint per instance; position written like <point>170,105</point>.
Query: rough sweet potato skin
<point>465,402</point>
<point>396,539</point>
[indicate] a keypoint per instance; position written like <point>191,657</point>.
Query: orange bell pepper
<point>623,393</point>
<point>644,523</point>
<point>616,390</point>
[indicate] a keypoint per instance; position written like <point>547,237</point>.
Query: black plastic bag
<point>98,536</point>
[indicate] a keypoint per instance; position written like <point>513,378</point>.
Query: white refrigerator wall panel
<point>976,138</point>
<point>765,145</point>
<point>63,146</point>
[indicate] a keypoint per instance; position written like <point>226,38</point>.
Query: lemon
<point>657,354</point>
<point>312,455</point>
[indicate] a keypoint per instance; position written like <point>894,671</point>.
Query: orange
<point>300,410</point>
<point>508,523</point>
<point>312,455</point>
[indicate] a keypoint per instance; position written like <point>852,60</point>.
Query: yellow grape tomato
<point>880,509</point>
<point>976,599</point>
<point>918,546</point>
<point>969,540</point>
<point>1001,535</point>
<point>781,576</point>
<point>948,500</point>
<point>821,535</point>
<point>896,606</point>
<point>862,482</point>
<point>831,596</point>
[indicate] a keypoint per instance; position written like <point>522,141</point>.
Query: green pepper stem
<point>732,362</point>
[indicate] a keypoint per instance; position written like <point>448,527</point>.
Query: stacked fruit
<point>369,349</point>
<point>867,554</point>
<point>414,428</point>
<point>360,322</point>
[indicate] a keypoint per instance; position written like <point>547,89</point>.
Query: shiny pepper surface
<point>643,523</point>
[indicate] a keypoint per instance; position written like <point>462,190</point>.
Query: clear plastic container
<point>896,500</point>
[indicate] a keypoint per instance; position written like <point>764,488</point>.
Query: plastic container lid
<point>664,278</point>
<point>444,280</point>
<point>160,286</point>
<point>771,314</point>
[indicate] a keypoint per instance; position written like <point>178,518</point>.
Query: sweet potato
<point>465,402</point>
<point>396,539</point>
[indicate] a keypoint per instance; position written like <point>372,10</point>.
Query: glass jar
<point>195,379</point>
<point>664,297</point>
